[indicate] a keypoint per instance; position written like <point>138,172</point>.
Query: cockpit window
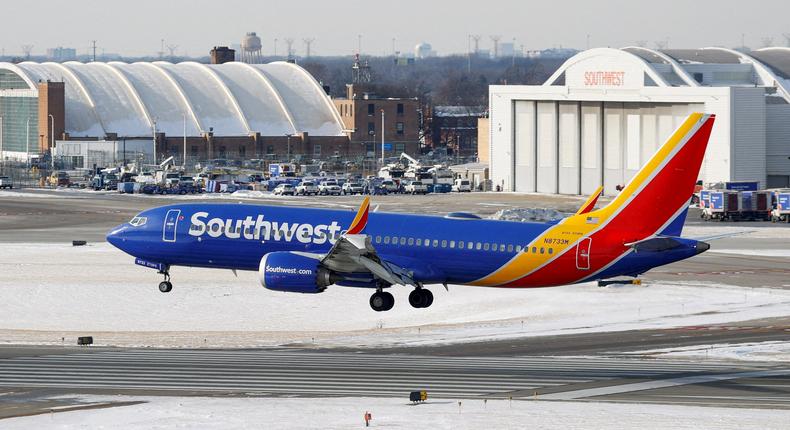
<point>138,221</point>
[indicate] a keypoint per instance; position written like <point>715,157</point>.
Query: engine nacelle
<point>286,271</point>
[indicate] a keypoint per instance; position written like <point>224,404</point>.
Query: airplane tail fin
<point>656,199</point>
<point>361,219</point>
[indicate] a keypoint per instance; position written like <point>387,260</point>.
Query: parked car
<point>5,182</point>
<point>352,188</point>
<point>307,188</point>
<point>283,190</point>
<point>329,187</point>
<point>462,185</point>
<point>416,187</point>
<point>59,179</point>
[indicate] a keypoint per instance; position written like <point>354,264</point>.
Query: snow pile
<point>751,351</point>
<point>50,291</point>
<point>394,413</point>
<point>528,215</point>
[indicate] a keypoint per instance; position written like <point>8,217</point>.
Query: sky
<point>136,28</point>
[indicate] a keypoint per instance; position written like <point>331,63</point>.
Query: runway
<point>29,372</point>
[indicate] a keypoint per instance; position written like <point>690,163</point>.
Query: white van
<point>462,185</point>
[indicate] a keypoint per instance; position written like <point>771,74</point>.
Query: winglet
<point>361,220</point>
<point>589,205</point>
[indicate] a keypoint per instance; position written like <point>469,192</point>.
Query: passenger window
<point>551,250</point>
<point>502,247</point>
<point>486,246</point>
<point>435,243</point>
<point>444,244</point>
<point>493,246</point>
<point>518,248</point>
<point>419,242</point>
<point>541,250</point>
<point>378,239</point>
<point>411,241</point>
<point>471,245</point>
<point>394,240</point>
<point>461,244</point>
<point>478,246</point>
<point>215,227</point>
<point>510,248</point>
<point>534,249</point>
<point>386,239</point>
<point>403,241</point>
<point>452,244</point>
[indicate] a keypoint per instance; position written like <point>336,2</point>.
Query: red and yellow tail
<point>361,219</point>
<point>654,202</point>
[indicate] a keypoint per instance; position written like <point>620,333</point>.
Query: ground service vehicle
<point>329,187</point>
<point>6,182</point>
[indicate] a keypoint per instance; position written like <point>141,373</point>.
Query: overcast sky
<point>135,27</point>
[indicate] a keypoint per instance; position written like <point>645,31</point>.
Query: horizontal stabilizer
<point>655,244</point>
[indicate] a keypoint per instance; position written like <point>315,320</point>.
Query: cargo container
<point>755,205</point>
<point>723,205</point>
<point>781,213</point>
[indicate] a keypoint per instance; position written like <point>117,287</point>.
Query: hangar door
<point>591,147</point>
<point>524,147</point>
<point>569,151</point>
<point>547,147</point>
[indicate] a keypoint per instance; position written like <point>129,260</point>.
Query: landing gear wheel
<point>381,301</point>
<point>165,286</point>
<point>420,298</point>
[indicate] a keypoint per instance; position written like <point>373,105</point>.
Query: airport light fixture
<point>52,141</point>
<point>27,142</point>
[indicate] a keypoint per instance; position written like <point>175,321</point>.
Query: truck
<point>416,187</point>
<point>781,210</point>
<point>6,182</point>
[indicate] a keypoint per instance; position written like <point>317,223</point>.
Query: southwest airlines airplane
<point>306,250</point>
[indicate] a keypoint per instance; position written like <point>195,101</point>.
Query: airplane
<point>306,250</point>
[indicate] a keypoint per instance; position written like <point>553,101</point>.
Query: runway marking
<point>664,383</point>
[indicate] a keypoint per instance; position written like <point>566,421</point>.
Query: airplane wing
<point>354,253</point>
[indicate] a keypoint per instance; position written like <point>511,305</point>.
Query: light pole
<point>52,141</point>
<point>382,138</point>
<point>153,126</point>
<point>288,136</point>
<point>185,142</point>
<point>2,152</point>
<point>27,142</point>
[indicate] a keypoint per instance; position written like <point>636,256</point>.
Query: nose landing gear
<point>165,286</point>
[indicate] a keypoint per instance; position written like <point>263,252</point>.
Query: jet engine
<point>286,271</point>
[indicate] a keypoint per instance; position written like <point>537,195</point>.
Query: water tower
<point>251,49</point>
<point>423,50</point>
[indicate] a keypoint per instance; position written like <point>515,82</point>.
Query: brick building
<point>361,113</point>
<point>455,128</point>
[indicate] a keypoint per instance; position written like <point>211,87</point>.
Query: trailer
<point>723,205</point>
<point>781,211</point>
<point>755,205</point>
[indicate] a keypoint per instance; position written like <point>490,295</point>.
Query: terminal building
<point>605,111</point>
<point>141,110</point>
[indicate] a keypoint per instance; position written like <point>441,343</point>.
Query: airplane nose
<point>115,237</point>
<point>701,247</point>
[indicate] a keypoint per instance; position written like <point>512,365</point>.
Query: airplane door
<point>171,222</point>
<point>583,254</point>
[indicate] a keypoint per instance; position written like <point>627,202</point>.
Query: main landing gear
<point>381,301</point>
<point>420,298</point>
<point>165,286</point>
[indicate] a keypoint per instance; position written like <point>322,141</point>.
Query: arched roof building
<point>232,99</point>
<point>603,113</point>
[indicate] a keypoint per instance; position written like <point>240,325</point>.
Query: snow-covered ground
<point>751,351</point>
<point>52,291</point>
<point>390,413</point>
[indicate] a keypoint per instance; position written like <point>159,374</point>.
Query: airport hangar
<point>605,111</point>
<point>95,111</point>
